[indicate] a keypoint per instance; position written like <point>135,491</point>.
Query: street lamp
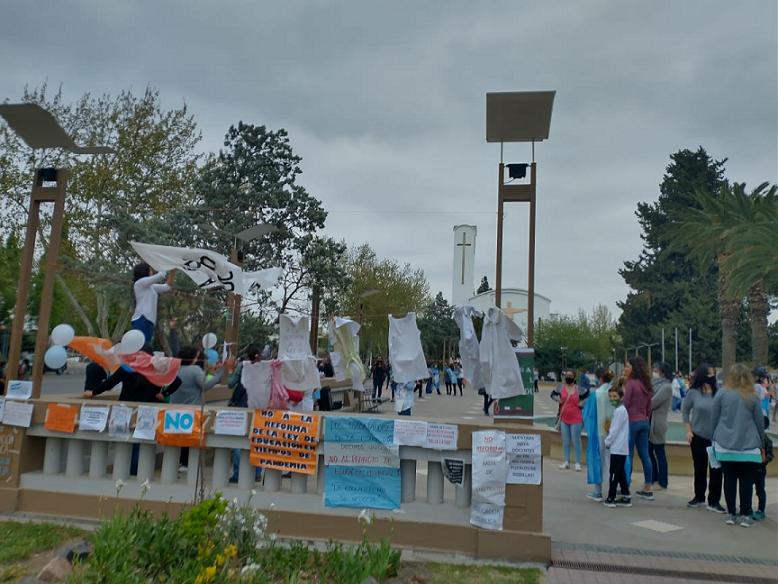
<point>518,116</point>
<point>40,129</point>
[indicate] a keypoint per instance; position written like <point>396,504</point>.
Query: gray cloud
<point>385,101</point>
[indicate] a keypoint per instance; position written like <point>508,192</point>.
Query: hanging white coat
<point>405,353</point>
<point>498,360</point>
<point>469,349</point>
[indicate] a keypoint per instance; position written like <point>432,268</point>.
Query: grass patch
<point>455,574</point>
<point>21,540</point>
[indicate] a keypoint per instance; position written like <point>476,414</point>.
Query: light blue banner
<point>370,487</point>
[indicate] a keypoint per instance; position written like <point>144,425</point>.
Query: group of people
<point>451,373</point>
<point>725,428</point>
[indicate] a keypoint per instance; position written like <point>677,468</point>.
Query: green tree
<point>377,288</point>
<point>10,257</point>
<point>706,231</point>
<point>483,286</point>
<point>439,332</point>
<point>670,290</point>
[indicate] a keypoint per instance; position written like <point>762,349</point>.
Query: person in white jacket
<point>617,442</point>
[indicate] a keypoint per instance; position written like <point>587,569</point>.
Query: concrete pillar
<point>74,465</point>
<point>194,461</point>
<point>464,493</point>
<point>121,461</point>
<point>408,480</point>
<point>146,459</point>
<point>299,483</point>
<point>320,477</point>
<point>434,482</point>
<point>246,472</point>
<point>52,456</point>
<point>98,459</point>
<point>272,480</point>
<point>170,458</point>
<point>221,467</point>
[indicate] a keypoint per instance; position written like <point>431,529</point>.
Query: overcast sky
<point>386,104</point>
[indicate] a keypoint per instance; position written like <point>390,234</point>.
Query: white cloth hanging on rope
<point>344,338</point>
<point>299,365</point>
<point>469,349</point>
<point>500,367</point>
<point>405,352</point>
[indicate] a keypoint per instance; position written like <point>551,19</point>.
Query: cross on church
<point>463,245</point>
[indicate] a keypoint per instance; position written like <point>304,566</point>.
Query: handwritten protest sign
<point>179,427</point>
<point>93,418</point>
<point>230,422</point>
<point>285,441</point>
<point>61,418</point>
<point>17,413</point>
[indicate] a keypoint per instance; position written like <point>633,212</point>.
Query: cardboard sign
<point>93,418</point>
<point>230,423</point>
<point>454,470</point>
<point>442,436</point>
<point>19,389</point>
<point>180,428</point>
<point>285,441</point>
<point>61,418</point>
<point>17,413</point>
<point>410,433</point>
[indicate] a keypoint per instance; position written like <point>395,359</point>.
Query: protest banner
<point>179,427</point>
<point>525,460</point>
<point>284,440</point>
<point>489,473</point>
<point>61,418</point>
<point>362,463</point>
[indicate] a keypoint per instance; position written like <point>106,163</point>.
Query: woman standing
<point>662,381</point>
<point>738,438</point>
<point>597,413</point>
<point>637,400</point>
<point>570,418</point>
<point>698,418</point>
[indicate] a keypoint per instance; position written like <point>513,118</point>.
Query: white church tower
<point>464,263</point>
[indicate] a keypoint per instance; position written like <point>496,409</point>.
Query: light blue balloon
<point>55,357</point>
<point>212,356</point>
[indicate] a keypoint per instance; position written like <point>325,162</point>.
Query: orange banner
<point>285,441</point>
<point>61,418</point>
<point>180,427</point>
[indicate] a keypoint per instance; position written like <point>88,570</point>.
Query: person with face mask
<point>697,413</point>
<point>661,380</point>
<point>570,418</point>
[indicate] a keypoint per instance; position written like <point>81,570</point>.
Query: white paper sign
<point>230,423</point>
<point>19,389</point>
<point>119,422</point>
<point>93,418</point>
<point>410,433</point>
<point>489,473</point>
<point>487,516</point>
<point>359,454</point>
<point>146,423</point>
<point>442,436</point>
<point>17,413</point>
<point>525,461</point>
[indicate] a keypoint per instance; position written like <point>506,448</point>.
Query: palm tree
<point>752,264</point>
<point>714,231</point>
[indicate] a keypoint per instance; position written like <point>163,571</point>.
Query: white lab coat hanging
<point>405,352</point>
<point>499,364</point>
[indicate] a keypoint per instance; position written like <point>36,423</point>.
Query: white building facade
<point>514,304</point>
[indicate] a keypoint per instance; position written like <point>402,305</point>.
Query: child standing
<point>617,442</point>
<point>761,475</point>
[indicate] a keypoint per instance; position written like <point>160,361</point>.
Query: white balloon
<point>55,357</point>
<point>209,340</point>
<point>132,342</point>
<point>62,334</point>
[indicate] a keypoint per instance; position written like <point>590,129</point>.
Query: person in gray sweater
<point>662,377</point>
<point>738,440</point>
<point>697,413</point>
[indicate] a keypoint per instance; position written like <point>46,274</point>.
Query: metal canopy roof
<point>40,129</point>
<point>518,116</point>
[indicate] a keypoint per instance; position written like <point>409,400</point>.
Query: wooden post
<point>531,276</point>
<point>314,338</point>
<point>40,194</point>
<point>234,305</point>
<point>500,217</point>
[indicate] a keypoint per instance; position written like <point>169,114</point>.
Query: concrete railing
<point>87,474</point>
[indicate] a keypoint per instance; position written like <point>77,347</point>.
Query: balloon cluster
<point>56,356</point>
